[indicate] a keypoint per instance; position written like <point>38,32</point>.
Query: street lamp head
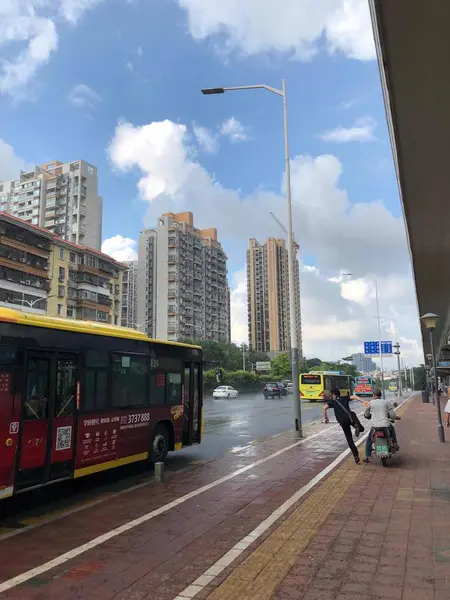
<point>430,321</point>
<point>209,91</point>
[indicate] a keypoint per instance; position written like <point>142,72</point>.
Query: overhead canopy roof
<point>413,46</point>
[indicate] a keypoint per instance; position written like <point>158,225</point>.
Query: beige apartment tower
<point>182,289</point>
<point>268,297</point>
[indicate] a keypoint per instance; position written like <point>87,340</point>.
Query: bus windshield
<point>311,379</point>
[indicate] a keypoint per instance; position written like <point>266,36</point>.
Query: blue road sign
<point>371,348</point>
<point>374,347</point>
<point>386,347</point>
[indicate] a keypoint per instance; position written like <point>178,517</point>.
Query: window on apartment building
<point>72,257</point>
<point>61,253</point>
<point>70,311</point>
<point>61,290</point>
<point>60,310</point>
<point>61,274</point>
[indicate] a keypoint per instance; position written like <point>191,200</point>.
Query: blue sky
<point>144,62</point>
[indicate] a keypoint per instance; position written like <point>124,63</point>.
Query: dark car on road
<point>272,390</point>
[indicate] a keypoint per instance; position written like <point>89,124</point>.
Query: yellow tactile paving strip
<point>262,572</point>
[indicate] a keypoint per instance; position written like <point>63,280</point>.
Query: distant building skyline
<point>363,363</point>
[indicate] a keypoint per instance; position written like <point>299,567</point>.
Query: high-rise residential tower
<point>62,197</point>
<point>182,281</point>
<point>268,297</point>
<point>129,296</point>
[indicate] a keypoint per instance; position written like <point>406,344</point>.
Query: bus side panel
<point>111,439</point>
<point>9,431</point>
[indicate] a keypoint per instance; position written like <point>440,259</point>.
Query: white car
<point>225,391</point>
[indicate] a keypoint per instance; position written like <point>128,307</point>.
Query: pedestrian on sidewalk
<point>345,417</point>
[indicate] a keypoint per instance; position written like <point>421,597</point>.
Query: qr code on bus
<point>63,438</point>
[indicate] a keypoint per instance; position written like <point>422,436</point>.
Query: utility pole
<point>399,371</point>
<point>243,357</point>
<point>413,377</point>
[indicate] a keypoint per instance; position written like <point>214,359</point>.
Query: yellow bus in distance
<point>314,384</point>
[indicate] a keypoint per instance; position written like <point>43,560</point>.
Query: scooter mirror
<point>395,404</point>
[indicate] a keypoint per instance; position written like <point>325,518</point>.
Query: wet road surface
<point>234,423</point>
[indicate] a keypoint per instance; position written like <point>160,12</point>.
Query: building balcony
<point>23,267</point>
<point>22,245</point>
<point>85,303</point>
<point>80,210</point>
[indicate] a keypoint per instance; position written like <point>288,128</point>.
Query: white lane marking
<point>63,558</point>
<point>225,561</point>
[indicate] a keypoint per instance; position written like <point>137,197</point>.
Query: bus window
<point>157,388</point>
<point>66,384</point>
<point>36,401</point>
<point>173,388</point>
<point>129,380</point>
<point>95,380</point>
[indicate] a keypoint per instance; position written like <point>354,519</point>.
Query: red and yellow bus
<point>364,386</point>
<point>78,397</point>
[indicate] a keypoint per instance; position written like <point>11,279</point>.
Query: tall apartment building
<point>129,295</point>
<point>268,297</point>
<point>62,197</point>
<point>182,281</point>
<point>42,273</point>
<point>363,363</point>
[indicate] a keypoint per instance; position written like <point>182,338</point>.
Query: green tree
<point>281,366</point>
<point>311,363</point>
<point>225,354</point>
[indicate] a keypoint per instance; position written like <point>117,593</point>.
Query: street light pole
<point>379,336</point>
<point>397,352</point>
<point>291,267</point>
<point>430,321</point>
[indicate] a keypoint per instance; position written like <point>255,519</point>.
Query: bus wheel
<point>160,444</point>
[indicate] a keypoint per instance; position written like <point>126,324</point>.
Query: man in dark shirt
<point>346,419</point>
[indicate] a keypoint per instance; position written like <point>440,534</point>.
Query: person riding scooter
<point>382,415</point>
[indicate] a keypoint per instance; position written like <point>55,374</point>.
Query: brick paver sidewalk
<point>367,533</point>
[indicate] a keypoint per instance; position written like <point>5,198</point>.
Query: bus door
<point>47,436</point>
<point>192,413</point>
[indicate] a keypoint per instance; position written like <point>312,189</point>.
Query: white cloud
<point>130,66</point>
<point>28,32</point>
<point>301,28</point>
<point>83,96</point>
<point>238,306</point>
<point>36,37</point>
<point>121,248</point>
<point>341,235</point>
<point>139,51</point>
<point>10,163</point>
<point>363,130</point>
<point>233,129</point>
<point>206,139</point>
